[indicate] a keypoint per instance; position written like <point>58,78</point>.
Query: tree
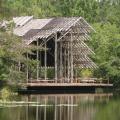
<point>12,51</point>
<point>106,44</point>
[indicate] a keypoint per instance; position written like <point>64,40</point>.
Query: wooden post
<point>76,75</point>
<point>40,64</point>
<point>71,43</point>
<point>68,65</point>
<point>61,66</point>
<point>37,61</point>
<point>27,69</point>
<point>65,63</point>
<point>45,61</point>
<point>56,58</point>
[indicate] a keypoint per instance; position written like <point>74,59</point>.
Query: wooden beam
<point>76,75</point>
<point>27,72</point>
<point>45,61</point>
<point>56,58</point>
<point>71,49</point>
<point>37,61</point>
<point>65,63</point>
<point>61,62</point>
<point>40,64</point>
<point>63,35</point>
<point>68,62</point>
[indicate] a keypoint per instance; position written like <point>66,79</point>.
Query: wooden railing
<point>77,80</point>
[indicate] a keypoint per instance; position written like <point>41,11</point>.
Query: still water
<point>62,107</point>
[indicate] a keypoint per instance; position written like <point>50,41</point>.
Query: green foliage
<point>106,44</point>
<point>12,51</point>
<point>50,73</point>
<point>86,73</point>
<point>5,93</point>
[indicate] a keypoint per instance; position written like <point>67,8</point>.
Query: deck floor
<point>68,84</point>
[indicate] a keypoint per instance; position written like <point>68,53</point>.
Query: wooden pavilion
<point>63,40</point>
<point>64,51</point>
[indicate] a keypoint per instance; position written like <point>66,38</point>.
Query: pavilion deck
<point>75,86</point>
<point>44,84</point>
<point>75,82</point>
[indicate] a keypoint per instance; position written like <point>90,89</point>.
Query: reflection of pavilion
<point>64,107</point>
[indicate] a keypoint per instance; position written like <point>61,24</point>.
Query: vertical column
<point>40,67</point>
<point>68,65</point>
<point>37,60</point>
<point>76,75</point>
<point>56,58</point>
<point>61,66</point>
<point>27,74</point>
<point>71,44</point>
<point>45,61</point>
<point>65,62</point>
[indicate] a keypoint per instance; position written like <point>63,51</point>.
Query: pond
<point>62,107</point>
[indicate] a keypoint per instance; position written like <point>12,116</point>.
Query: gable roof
<point>31,24</point>
<point>32,29</point>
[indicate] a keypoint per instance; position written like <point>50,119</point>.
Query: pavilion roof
<point>31,29</point>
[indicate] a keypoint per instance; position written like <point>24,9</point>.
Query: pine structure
<point>63,40</point>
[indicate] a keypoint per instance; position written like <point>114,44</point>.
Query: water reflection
<point>56,107</point>
<point>65,107</point>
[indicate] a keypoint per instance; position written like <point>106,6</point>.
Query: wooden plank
<point>69,84</point>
